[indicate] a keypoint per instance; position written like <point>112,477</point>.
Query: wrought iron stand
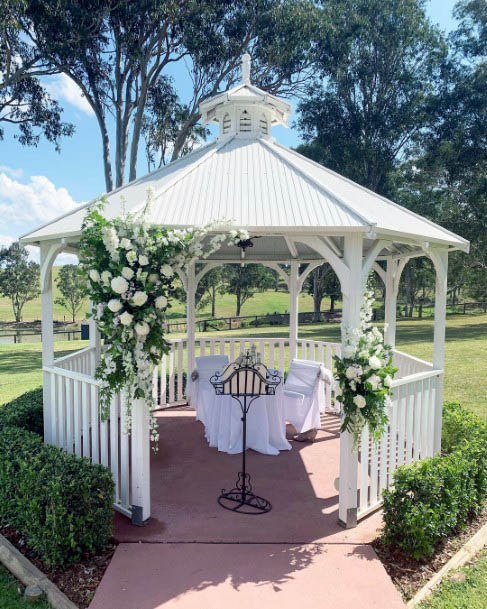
<point>245,381</point>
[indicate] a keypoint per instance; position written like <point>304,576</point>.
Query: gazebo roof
<point>271,190</point>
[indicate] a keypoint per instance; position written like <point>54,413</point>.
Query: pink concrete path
<point>195,555</point>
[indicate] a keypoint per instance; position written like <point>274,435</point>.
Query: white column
<point>191,317</point>
<point>47,336</point>
<point>353,292</point>
<point>440,260</point>
<point>95,344</point>
<point>140,461</point>
<point>293,309</point>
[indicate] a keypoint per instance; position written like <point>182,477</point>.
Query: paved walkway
<point>195,555</point>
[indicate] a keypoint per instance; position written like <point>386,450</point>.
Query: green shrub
<point>24,412</point>
<point>432,498</point>
<point>61,504</point>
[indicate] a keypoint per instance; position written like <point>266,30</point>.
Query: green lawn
<point>466,590</point>
<point>466,355</point>
<point>10,597</point>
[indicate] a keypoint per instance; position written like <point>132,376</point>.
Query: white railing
<point>79,361</point>
<point>408,364</point>
<point>409,437</point>
<point>75,424</point>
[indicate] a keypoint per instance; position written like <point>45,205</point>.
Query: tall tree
<point>71,288</point>
<point>24,101</point>
<point>377,66</point>
<point>19,277</point>
<point>323,282</point>
<point>117,52</point>
<point>209,286</point>
<point>245,281</point>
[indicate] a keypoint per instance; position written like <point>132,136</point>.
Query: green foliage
<point>432,498</point>
<point>70,284</point>
<point>24,412</point>
<point>61,504</point>
<point>19,277</point>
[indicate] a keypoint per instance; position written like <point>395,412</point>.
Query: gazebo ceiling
<point>246,177</point>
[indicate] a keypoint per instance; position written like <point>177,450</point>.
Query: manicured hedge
<point>61,503</point>
<point>24,412</point>
<point>432,498</point>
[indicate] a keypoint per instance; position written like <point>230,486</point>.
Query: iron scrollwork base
<point>242,500</point>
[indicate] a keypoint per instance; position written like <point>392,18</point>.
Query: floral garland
<point>364,372</point>
<point>129,267</point>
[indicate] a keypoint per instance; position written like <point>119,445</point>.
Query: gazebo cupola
<point>245,111</point>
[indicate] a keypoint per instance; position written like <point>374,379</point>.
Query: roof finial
<point>246,69</point>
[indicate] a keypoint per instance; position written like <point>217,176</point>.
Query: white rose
<point>106,276</point>
<point>374,381</point>
<point>161,302</point>
<point>139,299</point>
<point>375,363</point>
<point>94,275</point>
<point>351,372</point>
<point>114,305</point>
<point>388,381</point>
<point>119,285</point>
<point>359,401</point>
<point>131,256</point>
<point>166,270</point>
<point>127,272</point>
<point>143,260</point>
<point>153,278</point>
<point>126,318</point>
<point>142,328</point>
<point>126,244</point>
<point>348,351</point>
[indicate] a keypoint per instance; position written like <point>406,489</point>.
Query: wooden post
<point>95,344</point>
<point>293,309</point>
<point>440,260</point>
<point>353,292</point>
<point>393,274</point>
<point>140,462</point>
<point>47,330</point>
<point>191,286</point>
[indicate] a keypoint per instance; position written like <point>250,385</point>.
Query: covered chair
<point>201,388</point>
<point>304,394</point>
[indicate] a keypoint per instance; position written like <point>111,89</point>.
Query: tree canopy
<point>19,277</point>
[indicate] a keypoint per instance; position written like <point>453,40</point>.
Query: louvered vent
<point>263,126</point>
<point>245,122</point>
<point>227,123</point>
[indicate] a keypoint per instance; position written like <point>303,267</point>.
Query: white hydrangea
<point>131,257</point>
<point>114,305</point>
<point>119,285</point>
<point>126,318</point>
<point>348,351</point>
<point>167,270</point>
<point>374,381</point>
<point>359,401</point>
<point>94,275</point>
<point>126,244</point>
<point>127,272</point>
<point>143,260</point>
<point>139,298</point>
<point>161,302</point>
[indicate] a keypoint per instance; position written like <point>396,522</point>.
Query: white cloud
<point>62,87</point>
<point>10,171</point>
<point>24,206</point>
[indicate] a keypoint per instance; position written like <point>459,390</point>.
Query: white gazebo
<point>299,215</point>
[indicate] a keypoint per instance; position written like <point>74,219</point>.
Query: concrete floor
<point>194,554</point>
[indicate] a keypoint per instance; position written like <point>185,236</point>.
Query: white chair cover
<point>202,390</point>
<point>304,394</point>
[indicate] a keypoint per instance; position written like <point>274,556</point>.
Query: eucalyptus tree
<point>118,52</point>
<point>377,68</point>
<point>19,277</point>
<point>24,100</point>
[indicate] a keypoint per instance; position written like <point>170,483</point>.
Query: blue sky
<point>38,184</point>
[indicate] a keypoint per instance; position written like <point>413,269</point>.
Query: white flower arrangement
<point>129,267</point>
<point>364,372</point>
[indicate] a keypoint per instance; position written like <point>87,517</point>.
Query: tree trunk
<point>332,303</point>
<point>213,301</point>
<point>238,294</point>
<point>183,134</point>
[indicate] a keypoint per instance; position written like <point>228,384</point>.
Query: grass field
<point>10,597</point>
<point>466,355</point>
<point>467,589</point>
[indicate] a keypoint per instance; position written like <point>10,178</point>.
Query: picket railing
<point>75,424</point>
<point>409,437</point>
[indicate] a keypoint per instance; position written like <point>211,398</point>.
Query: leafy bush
<point>24,412</point>
<point>432,498</point>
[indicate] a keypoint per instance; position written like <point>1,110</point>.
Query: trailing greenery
<point>431,499</point>
<point>61,503</point>
<point>24,412</point>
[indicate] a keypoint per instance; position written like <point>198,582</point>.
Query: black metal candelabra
<point>245,381</point>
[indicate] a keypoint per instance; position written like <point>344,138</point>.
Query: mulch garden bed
<point>411,575</point>
<point>79,581</point>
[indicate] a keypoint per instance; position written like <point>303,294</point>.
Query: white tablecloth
<point>222,417</point>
